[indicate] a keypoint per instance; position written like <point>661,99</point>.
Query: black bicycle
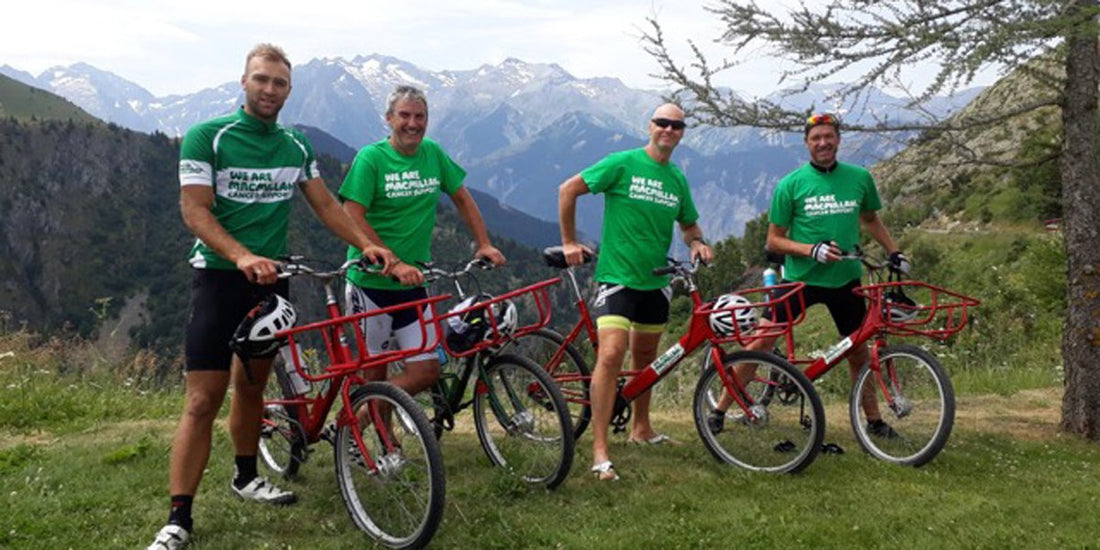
<point>521,418</point>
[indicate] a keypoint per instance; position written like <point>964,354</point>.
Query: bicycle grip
<point>667,270</point>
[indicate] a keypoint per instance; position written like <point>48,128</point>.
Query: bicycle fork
<point>887,380</point>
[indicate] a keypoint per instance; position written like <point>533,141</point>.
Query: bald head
<point>665,130</point>
<point>669,110</point>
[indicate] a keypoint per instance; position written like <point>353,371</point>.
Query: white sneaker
<point>170,537</point>
<point>262,490</point>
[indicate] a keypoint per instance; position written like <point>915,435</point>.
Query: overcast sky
<point>184,46</point>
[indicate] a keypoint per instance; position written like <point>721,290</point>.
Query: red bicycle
<point>780,424</point>
<point>390,470</point>
<point>919,397</point>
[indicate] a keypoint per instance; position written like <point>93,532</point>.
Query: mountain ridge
<point>491,117</point>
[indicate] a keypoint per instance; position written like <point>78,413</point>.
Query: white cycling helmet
<point>901,308</point>
<point>466,330</point>
<point>506,316</point>
<point>255,336</point>
<point>721,322</point>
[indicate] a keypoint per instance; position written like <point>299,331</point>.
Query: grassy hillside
<point>1005,172</point>
<point>22,102</point>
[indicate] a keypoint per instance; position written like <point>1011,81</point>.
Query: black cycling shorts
<point>627,308</point>
<point>220,299</point>
<point>846,307</point>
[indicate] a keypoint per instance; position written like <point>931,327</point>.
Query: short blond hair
<point>269,52</point>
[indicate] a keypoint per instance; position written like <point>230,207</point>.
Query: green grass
<point>84,458</point>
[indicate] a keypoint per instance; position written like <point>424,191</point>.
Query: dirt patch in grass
<point>1027,415</point>
<point>107,431</point>
<point>1031,415</point>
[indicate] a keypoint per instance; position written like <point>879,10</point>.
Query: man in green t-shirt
<point>237,174</point>
<point>391,192</point>
<point>816,215</point>
<point>645,195</point>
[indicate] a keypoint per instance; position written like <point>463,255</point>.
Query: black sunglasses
<point>666,122</point>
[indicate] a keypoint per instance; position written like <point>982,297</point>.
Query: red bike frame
<point>948,309</point>
<point>698,333</point>
<point>344,363</point>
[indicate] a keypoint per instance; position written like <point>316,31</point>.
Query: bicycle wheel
<point>920,406</point>
<point>282,438</point>
<point>398,503</point>
<point>522,420</point>
<point>570,371</point>
<point>781,431</point>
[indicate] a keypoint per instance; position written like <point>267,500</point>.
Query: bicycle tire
<point>522,420</point>
<point>923,410</point>
<point>400,503</point>
<point>282,445</point>
<point>540,346</point>
<point>786,434</point>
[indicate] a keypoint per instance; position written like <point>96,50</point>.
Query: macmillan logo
<point>192,168</point>
<point>825,205</point>
<point>408,184</point>
<point>651,190</point>
<point>258,185</point>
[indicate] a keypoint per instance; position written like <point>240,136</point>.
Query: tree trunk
<point>1081,227</point>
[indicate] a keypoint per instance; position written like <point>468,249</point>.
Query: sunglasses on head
<point>825,118</point>
<point>666,122</point>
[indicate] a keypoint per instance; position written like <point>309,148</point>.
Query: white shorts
<point>401,328</point>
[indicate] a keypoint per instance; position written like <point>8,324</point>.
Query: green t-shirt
<point>400,194</point>
<point>642,199</point>
<point>253,167</point>
<point>817,206</point>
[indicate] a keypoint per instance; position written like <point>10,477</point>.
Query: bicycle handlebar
<point>679,268</point>
<point>294,266</point>
<point>856,253</point>
<point>433,274</point>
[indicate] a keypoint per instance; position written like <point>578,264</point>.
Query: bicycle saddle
<point>555,257</point>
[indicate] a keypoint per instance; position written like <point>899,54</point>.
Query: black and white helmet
<point>721,322</point>
<point>466,330</point>
<point>900,307</point>
<point>507,317</point>
<point>255,336</point>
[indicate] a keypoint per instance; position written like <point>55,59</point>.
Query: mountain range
<point>519,128</point>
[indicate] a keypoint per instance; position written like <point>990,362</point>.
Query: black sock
<point>181,511</point>
<point>246,470</point>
